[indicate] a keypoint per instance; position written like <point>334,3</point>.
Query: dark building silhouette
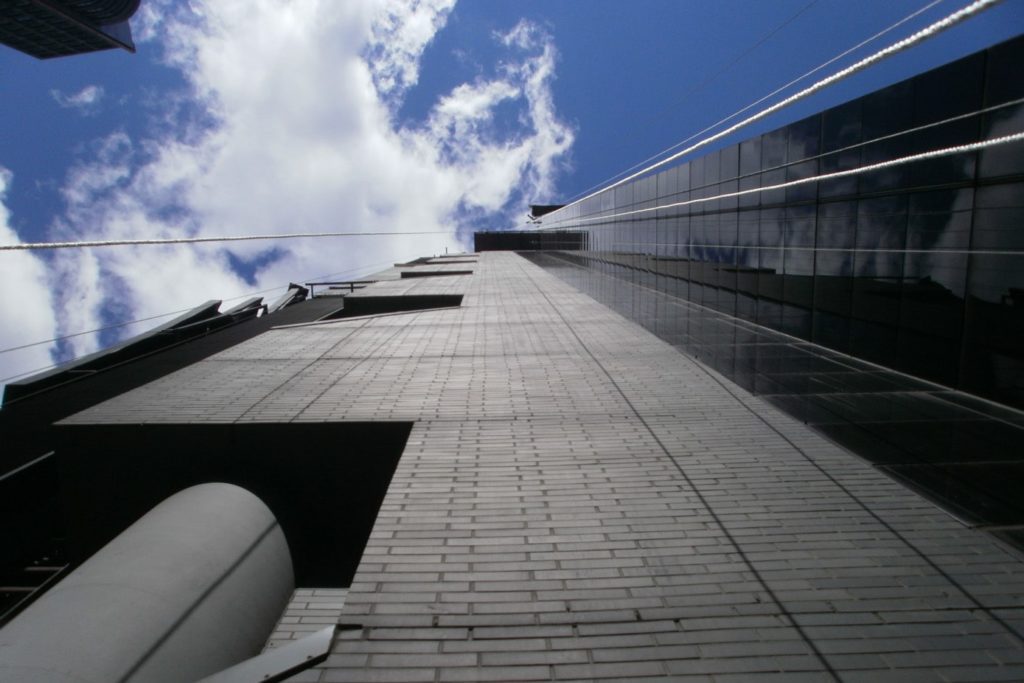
<point>767,437</point>
<point>59,28</point>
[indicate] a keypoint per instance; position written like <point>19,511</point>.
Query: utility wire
<point>937,27</point>
<point>164,315</point>
<point>865,143</point>
<point>750,106</point>
<point>928,32</point>
<point>29,372</point>
<point>959,149</point>
<point>98,329</point>
<point>700,86</point>
<point>193,240</point>
<point>922,156</point>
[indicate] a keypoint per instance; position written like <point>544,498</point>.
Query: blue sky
<point>269,117</point>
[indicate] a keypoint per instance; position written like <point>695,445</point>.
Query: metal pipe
<point>194,586</point>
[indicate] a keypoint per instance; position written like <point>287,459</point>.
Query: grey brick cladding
<point>580,501</point>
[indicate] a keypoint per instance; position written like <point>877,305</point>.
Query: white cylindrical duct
<point>194,586</point>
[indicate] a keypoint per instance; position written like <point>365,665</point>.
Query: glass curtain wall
<point>877,307</point>
<point>918,267</point>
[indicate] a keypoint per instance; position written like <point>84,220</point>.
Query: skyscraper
<point>58,28</point>
<point>509,480</point>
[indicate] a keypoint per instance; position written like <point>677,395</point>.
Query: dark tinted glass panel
<point>769,286</point>
<point>887,111</point>
<point>646,229</point>
<point>1004,159</point>
<point>945,93</point>
<point>833,298</point>
<point>878,273</point>
<point>935,274</point>
<point>773,160</point>
<point>882,223</point>
<point>883,113</point>
<point>646,190</point>
<point>833,276</point>
<point>750,156</point>
<point>728,230</point>
<point>712,175</point>
<point>940,220</point>
<point>711,231</point>
<point>666,234</point>
<point>622,197</point>
<point>803,149</point>
<point>949,91</point>
<point>1003,82</point>
<point>683,230</point>
<point>749,167</point>
<point>667,182</point>
<point>747,260</point>
<point>833,163</point>
<point>800,226</point>
<point>994,318</point>
<point>945,169</point>
<point>804,138</point>
<point>698,236</point>
<point>916,268</point>
<point>999,217</point>
<point>840,130</point>
<point>683,178</point>
<point>697,179</point>
<point>712,168</point>
<point>798,292</point>
<point>841,126</point>
<point>772,227</point>
<point>729,171</point>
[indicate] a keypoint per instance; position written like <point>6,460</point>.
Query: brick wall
<point>579,501</point>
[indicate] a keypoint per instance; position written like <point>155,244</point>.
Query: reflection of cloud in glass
<point>940,221</point>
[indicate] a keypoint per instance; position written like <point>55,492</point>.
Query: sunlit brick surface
<point>578,501</point>
<point>309,610</point>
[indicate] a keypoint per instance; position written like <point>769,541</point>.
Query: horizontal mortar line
<point>856,499</point>
<point>295,374</point>
<point>737,548</point>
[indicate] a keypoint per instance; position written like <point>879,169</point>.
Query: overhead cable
<point>194,240</point>
<point>28,372</point>
<point>701,85</point>
<point>170,313</point>
<point>928,32</point>
<point>922,156</point>
<point>876,140</point>
<point>98,329</point>
<point>773,93</point>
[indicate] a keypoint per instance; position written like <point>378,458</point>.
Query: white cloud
<point>288,126</point>
<point>25,305</point>
<point>147,21</point>
<point>400,33</point>
<point>86,101</point>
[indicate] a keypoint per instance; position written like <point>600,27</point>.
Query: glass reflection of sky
<point>877,307</point>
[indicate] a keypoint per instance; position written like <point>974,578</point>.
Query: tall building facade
<point>882,307</point>
<point>483,472</point>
